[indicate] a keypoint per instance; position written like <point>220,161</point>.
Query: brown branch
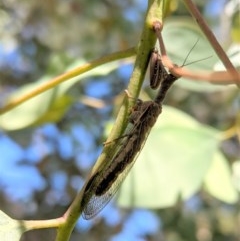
<point>217,77</point>
<point>213,41</point>
<point>220,77</point>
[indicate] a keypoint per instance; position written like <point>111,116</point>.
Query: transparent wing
<point>122,162</point>
<point>97,203</point>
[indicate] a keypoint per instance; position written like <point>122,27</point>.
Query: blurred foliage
<point>44,38</point>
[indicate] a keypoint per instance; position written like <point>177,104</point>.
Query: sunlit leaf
<point>173,163</point>
<point>10,229</point>
<point>236,174</point>
<point>31,111</point>
<point>218,181</point>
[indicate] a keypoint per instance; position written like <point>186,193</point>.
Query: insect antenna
<point>195,61</point>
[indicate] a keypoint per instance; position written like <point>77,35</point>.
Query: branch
<point>220,77</point>
<point>39,224</point>
<point>216,77</point>
<point>67,76</point>
<point>213,41</point>
<point>146,44</point>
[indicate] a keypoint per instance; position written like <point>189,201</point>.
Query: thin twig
<point>67,76</point>
<point>39,224</point>
<point>216,77</point>
<point>212,40</point>
<point>220,77</point>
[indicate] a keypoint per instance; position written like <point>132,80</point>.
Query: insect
<point>104,184</point>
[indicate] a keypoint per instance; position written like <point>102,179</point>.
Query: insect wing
<point>97,202</point>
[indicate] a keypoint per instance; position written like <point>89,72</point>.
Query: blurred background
<point>49,145</point>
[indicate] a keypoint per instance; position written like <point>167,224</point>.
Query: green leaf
<point>49,106</point>
<point>10,229</point>
<point>218,181</point>
<point>31,111</point>
<point>173,163</point>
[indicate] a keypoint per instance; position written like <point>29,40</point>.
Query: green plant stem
<point>67,76</point>
<point>39,224</point>
<point>146,44</point>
